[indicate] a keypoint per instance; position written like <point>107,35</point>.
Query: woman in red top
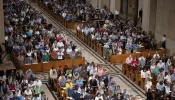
<point>134,63</point>
<point>12,87</point>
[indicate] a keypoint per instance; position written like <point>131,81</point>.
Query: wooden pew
<point>138,80</point>
<point>116,59</point>
<point>128,72</point>
<point>47,66</point>
<point>133,75</point>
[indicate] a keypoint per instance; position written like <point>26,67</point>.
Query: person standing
<point>164,42</point>
<point>116,14</point>
<point>140,15</point>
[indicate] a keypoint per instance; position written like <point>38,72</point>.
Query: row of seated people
<point>76,10</point>
<point>35,42</point>
<point>19,85</point>
<point>158,69</point>
<point>119,36</point>
<point>88,82</point>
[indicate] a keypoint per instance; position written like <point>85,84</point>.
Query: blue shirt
<point>160,87</point>
<point>79,82</point>
<point>28,34</point>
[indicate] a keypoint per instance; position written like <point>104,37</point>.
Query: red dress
<point>134,64</point>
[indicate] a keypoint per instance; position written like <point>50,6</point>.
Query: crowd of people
<point>19,85</point>
<point>88,82</point>
<point>76,10</point>
<point>36,41</point>
<point>118,36</point>
<point>152,67</point>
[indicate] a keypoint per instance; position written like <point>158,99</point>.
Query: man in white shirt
<point>18,93</point>
<point>116,14</point>
<point>60,44</point>
<point>53,73</point>
<point>28,92</point>
<point>68,50</point>
<point>37,82</point>
<point>90,67</point>
<point>60,54</point>
<point>156,56</point>
<point>64,15</point>
<point>129,59</point>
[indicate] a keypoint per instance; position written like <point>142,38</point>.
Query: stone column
<point>125,8</point>
<point>146,15</point>
<point>2,34</point>
<point>135,11</point>
<point>100,3</point>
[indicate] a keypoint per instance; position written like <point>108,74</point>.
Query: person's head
<point>118,95</point>
<point>98,95</point>
<point>161,82</point>
<point>156,52</point>
<point>118,87</point>
<point>166,73</point>
<point>81,96</point>
<point>130,56</point>
<point>62,76</point>
<point>75,91</point>
<point>160,61</point>
<point>124,90</point>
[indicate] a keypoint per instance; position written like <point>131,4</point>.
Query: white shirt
<point>53,76</point>
<point>55,49</point>
<point>116,12</point>
<point>10,29</point>
<point>60,55</point>
<point>89,68</point>
<point>37,32</point>
<point>128,60</point>
<point>36,98</point>
<point>29,54</point>
<point>6,37</point>
<point>167,90</point>
<point>60,44</point>
<point>143,74</point>
<point>148,85</point>
<point>154,56</point>
<point>64,15</point>
<point>168,78</point>
<point>99,98</point>
<point>39,83</point>
<point>28,92</point>
<point>18,94</point>
<point>68,51</point>
<point>163,39</point>
<point>30,85</point>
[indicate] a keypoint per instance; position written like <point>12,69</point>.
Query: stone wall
<point>2,35</point>
<point>165,22</point>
